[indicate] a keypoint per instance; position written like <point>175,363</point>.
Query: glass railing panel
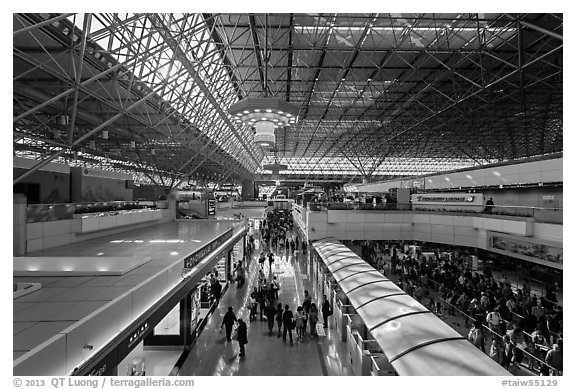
<point>37,213</point>
<point>543,215</point>
<point>549,215</point>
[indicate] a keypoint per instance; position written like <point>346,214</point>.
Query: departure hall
<point>287,194</point>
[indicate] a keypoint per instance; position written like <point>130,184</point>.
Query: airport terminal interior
<point>287,194</point>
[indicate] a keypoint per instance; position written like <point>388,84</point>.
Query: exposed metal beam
<point>535,27</point>
<point>96,130</point>
<point>78,75</point>
<point>257,50</point>
<point>41,24</point>
<point>209,20</point>
<point>162,30</point>
<point>290,54</point>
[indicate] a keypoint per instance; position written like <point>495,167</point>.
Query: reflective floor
<point>268,355</point>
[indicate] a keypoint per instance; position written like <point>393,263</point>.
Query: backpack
<point>494,318</point>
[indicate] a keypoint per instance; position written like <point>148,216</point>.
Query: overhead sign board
<point>473,202</point>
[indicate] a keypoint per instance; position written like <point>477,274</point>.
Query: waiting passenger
<point>496,350</point>
<point>554,358</point>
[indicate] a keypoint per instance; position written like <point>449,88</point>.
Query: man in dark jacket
<point>228,321</point>
<point>242,336</point>
<point>287,318</point>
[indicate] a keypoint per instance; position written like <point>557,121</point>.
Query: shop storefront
<point>159,341</point>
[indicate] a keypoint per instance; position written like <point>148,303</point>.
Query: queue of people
<point>522,326</point>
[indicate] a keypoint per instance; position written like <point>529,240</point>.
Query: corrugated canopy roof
<point>415,341</point>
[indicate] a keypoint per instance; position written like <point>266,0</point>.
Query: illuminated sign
<point>211,207</point>
<point>448,201</point>
<point>445,199</point>
<point>137,335</point>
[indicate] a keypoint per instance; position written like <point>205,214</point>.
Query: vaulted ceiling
<point>379,95</point>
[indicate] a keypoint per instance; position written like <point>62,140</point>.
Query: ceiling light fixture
<point>265,114</point>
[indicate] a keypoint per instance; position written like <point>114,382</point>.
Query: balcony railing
<point>539,214</point>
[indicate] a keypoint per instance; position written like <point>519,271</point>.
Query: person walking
<point>270,312</point>
<point>326,310</point>
<point>279,312</point>
<point>253,304</point>
<point>306,306</point>
<point>262,259</point>
<point>242,336</point>
<point>228,322</point>
<point>275,287</point>
<point>262,303</point>
<point>287,320</point>
<point>313,318</point>
<point>300,315</point>
<point>240,275</point>
<point>270,261</point>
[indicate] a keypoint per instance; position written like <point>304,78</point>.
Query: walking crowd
<point>510,325</point>
<point>264,305</point>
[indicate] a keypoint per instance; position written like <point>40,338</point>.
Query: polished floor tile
<point>267,355</point>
